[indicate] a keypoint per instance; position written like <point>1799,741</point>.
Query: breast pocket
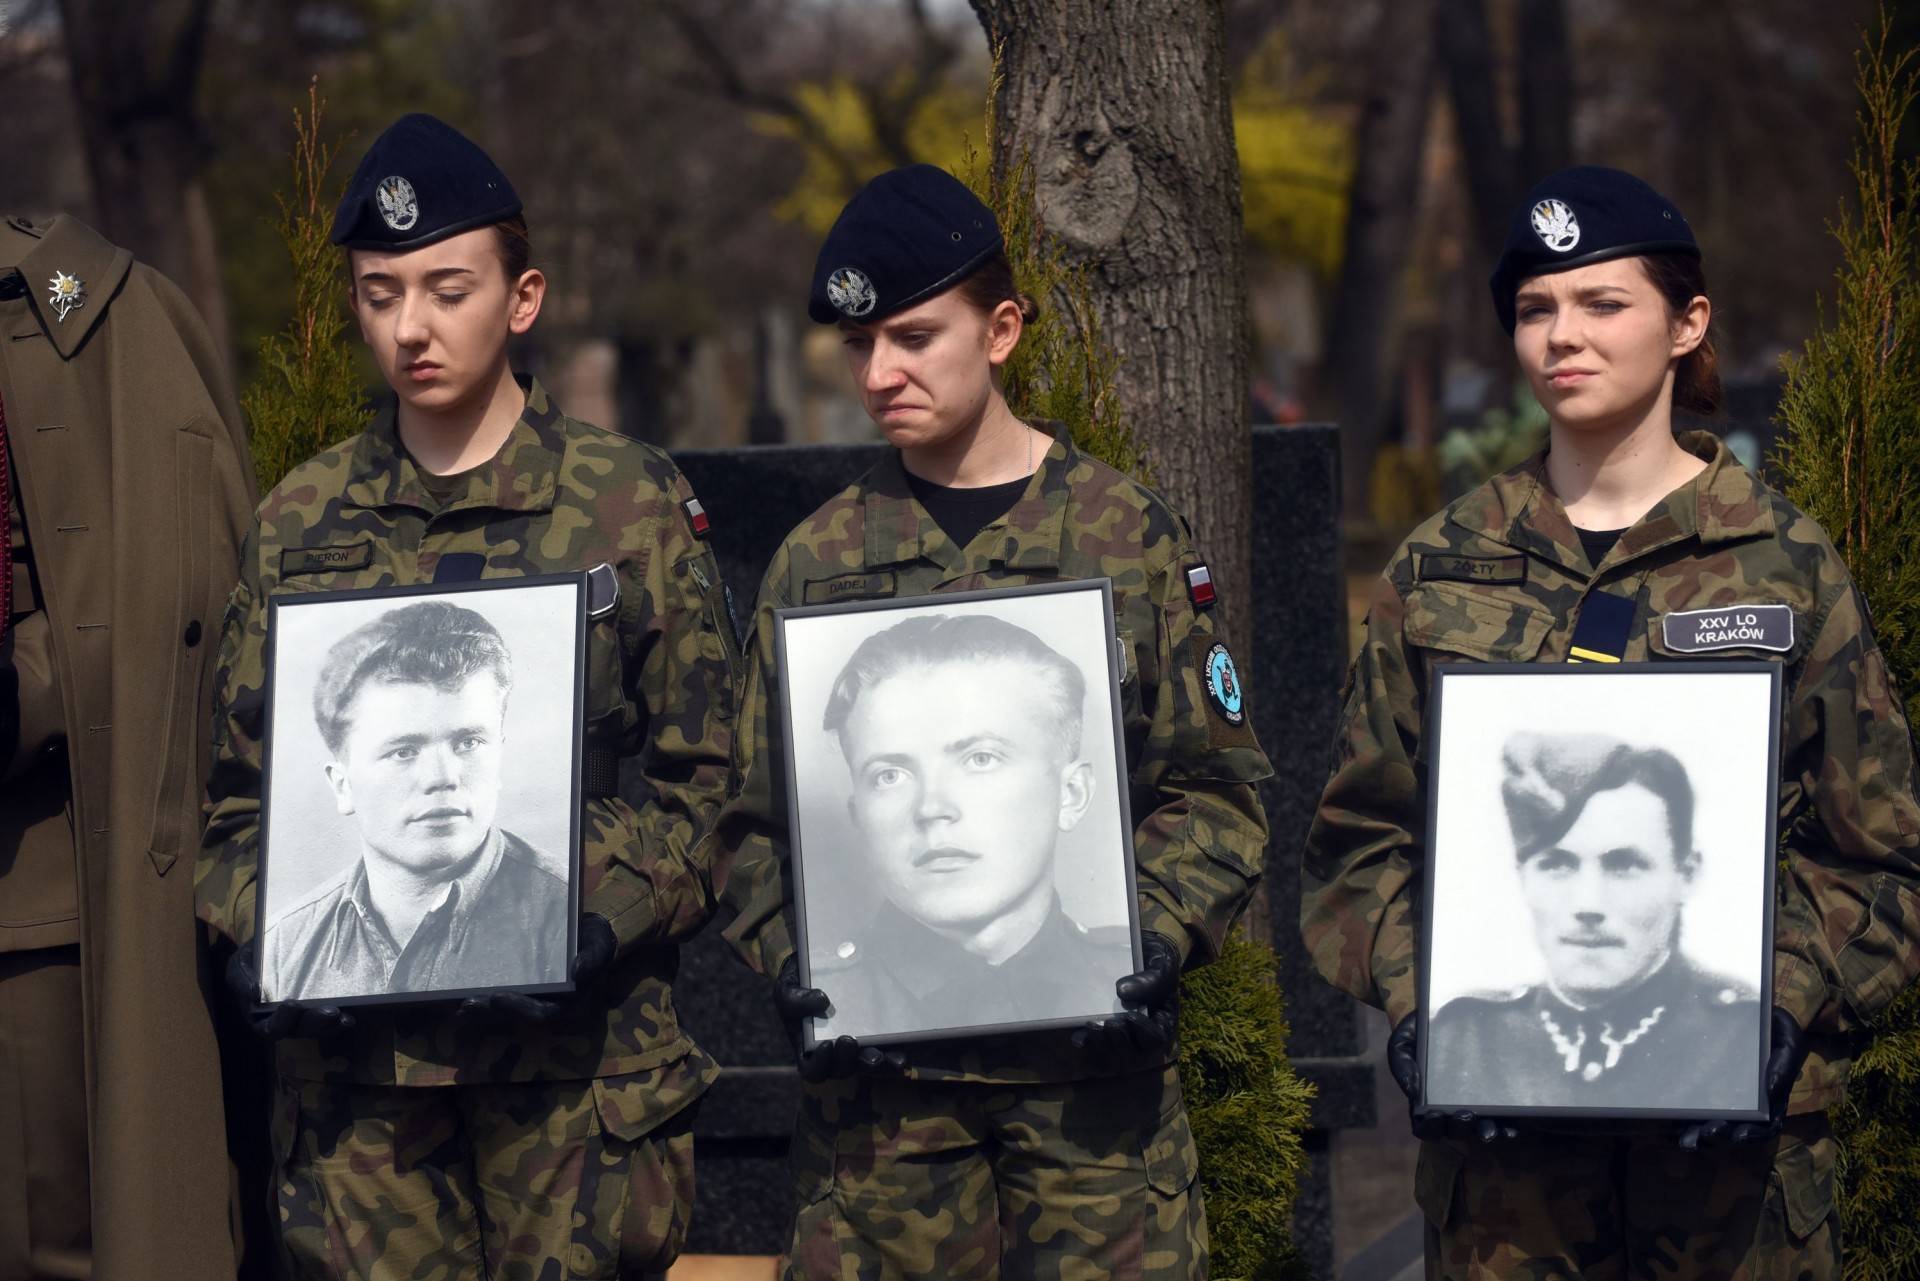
<point>1448,621</point>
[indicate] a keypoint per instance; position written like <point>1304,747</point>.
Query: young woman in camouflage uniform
<point>513,1134</point>
<point>1033,1156</point>
<point>1616,532</point>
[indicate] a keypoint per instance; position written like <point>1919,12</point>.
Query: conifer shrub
<point>1850,458</point>
<point>307,393</point>
<point>1248,1109</point>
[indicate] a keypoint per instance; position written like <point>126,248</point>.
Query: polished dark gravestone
<point>754,496</point>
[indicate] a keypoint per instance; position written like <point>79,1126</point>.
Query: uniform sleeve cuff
<point>1157,918</point>
<point>774,948</point>
<point>1399,1001</point>
<point>630,921</point>
<point>245,924</point>
<point>1798,988</point>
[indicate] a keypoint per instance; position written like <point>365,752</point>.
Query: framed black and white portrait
<point>957,786</point>
<point>421,804</point>
<point>1598,919</point>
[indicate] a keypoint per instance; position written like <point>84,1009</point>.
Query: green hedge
<point>1249,1112</point>
<point>307,393</point>
<point>1850,457</point>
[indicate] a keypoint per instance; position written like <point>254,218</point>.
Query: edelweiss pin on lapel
<point>66,294</point>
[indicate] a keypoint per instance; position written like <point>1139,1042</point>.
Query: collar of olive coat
<point>1518,508</point>
<point>68,247</point>
<point>135,478</point>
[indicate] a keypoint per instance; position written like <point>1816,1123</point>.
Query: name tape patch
<point>325,560</point>
<point>1471,569</point>
<point>822,591</point>
<point>1697,631</point>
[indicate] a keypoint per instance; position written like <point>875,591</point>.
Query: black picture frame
<point>1556,1071</point>
<point>568,641</point>
<point>811,886</point>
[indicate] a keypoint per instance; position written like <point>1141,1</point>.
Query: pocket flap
<point>632,1105</point>
<point>1806,1186</point>
<point>1461,620</point>
<point>811,1156</point>
<point>1433,1180</point>
<point>1172,1161</point>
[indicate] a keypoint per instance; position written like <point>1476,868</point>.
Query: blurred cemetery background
<point>680,159</point>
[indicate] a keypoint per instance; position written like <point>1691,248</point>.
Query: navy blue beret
<point>421,181</point>
<point>903,237</point>
<point>1584,215</point>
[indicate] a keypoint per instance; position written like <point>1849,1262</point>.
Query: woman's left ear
<point>1691,326</point>
<point>1004,328</point>
<point>524,299</point>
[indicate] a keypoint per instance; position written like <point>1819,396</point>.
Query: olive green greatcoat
<point>133,471</point>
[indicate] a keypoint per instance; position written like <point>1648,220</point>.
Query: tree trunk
<point>1126,112</point>
<point>1545,61</point>
<point>135,71</point>
<point>1364,327</point>
<point>1466,46</point>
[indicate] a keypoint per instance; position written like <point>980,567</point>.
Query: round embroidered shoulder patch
<point>1223,685</point>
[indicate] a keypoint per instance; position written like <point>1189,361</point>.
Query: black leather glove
<point>1403,1057</point>
<point>842,1056</point>
<point>1786,1056</point>
<point>1403,1061</point>
<point>593,952</point>
<point>1151,997</point>
<point>289,1018</point>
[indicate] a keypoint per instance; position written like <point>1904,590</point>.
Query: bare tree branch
<point>730,82</point>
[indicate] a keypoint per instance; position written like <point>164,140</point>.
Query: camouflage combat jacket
<point>1200,833</point>
<point>1500,576</point>
<point>560,496</point>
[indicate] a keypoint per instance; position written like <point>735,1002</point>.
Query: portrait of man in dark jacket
<point>962,735</point>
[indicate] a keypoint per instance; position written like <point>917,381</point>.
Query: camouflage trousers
<point>1600,1208</point>
<point>957,1181</point>
<point>526,1182</point>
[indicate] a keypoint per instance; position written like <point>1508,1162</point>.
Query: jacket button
<point>192,637</point>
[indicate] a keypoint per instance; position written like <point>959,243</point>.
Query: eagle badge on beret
<point>399,207</point>
<point>851,293</point>
<point>1556,226</point>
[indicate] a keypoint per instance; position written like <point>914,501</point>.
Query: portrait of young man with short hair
<point>963,740</point>
<point>412,709</point>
